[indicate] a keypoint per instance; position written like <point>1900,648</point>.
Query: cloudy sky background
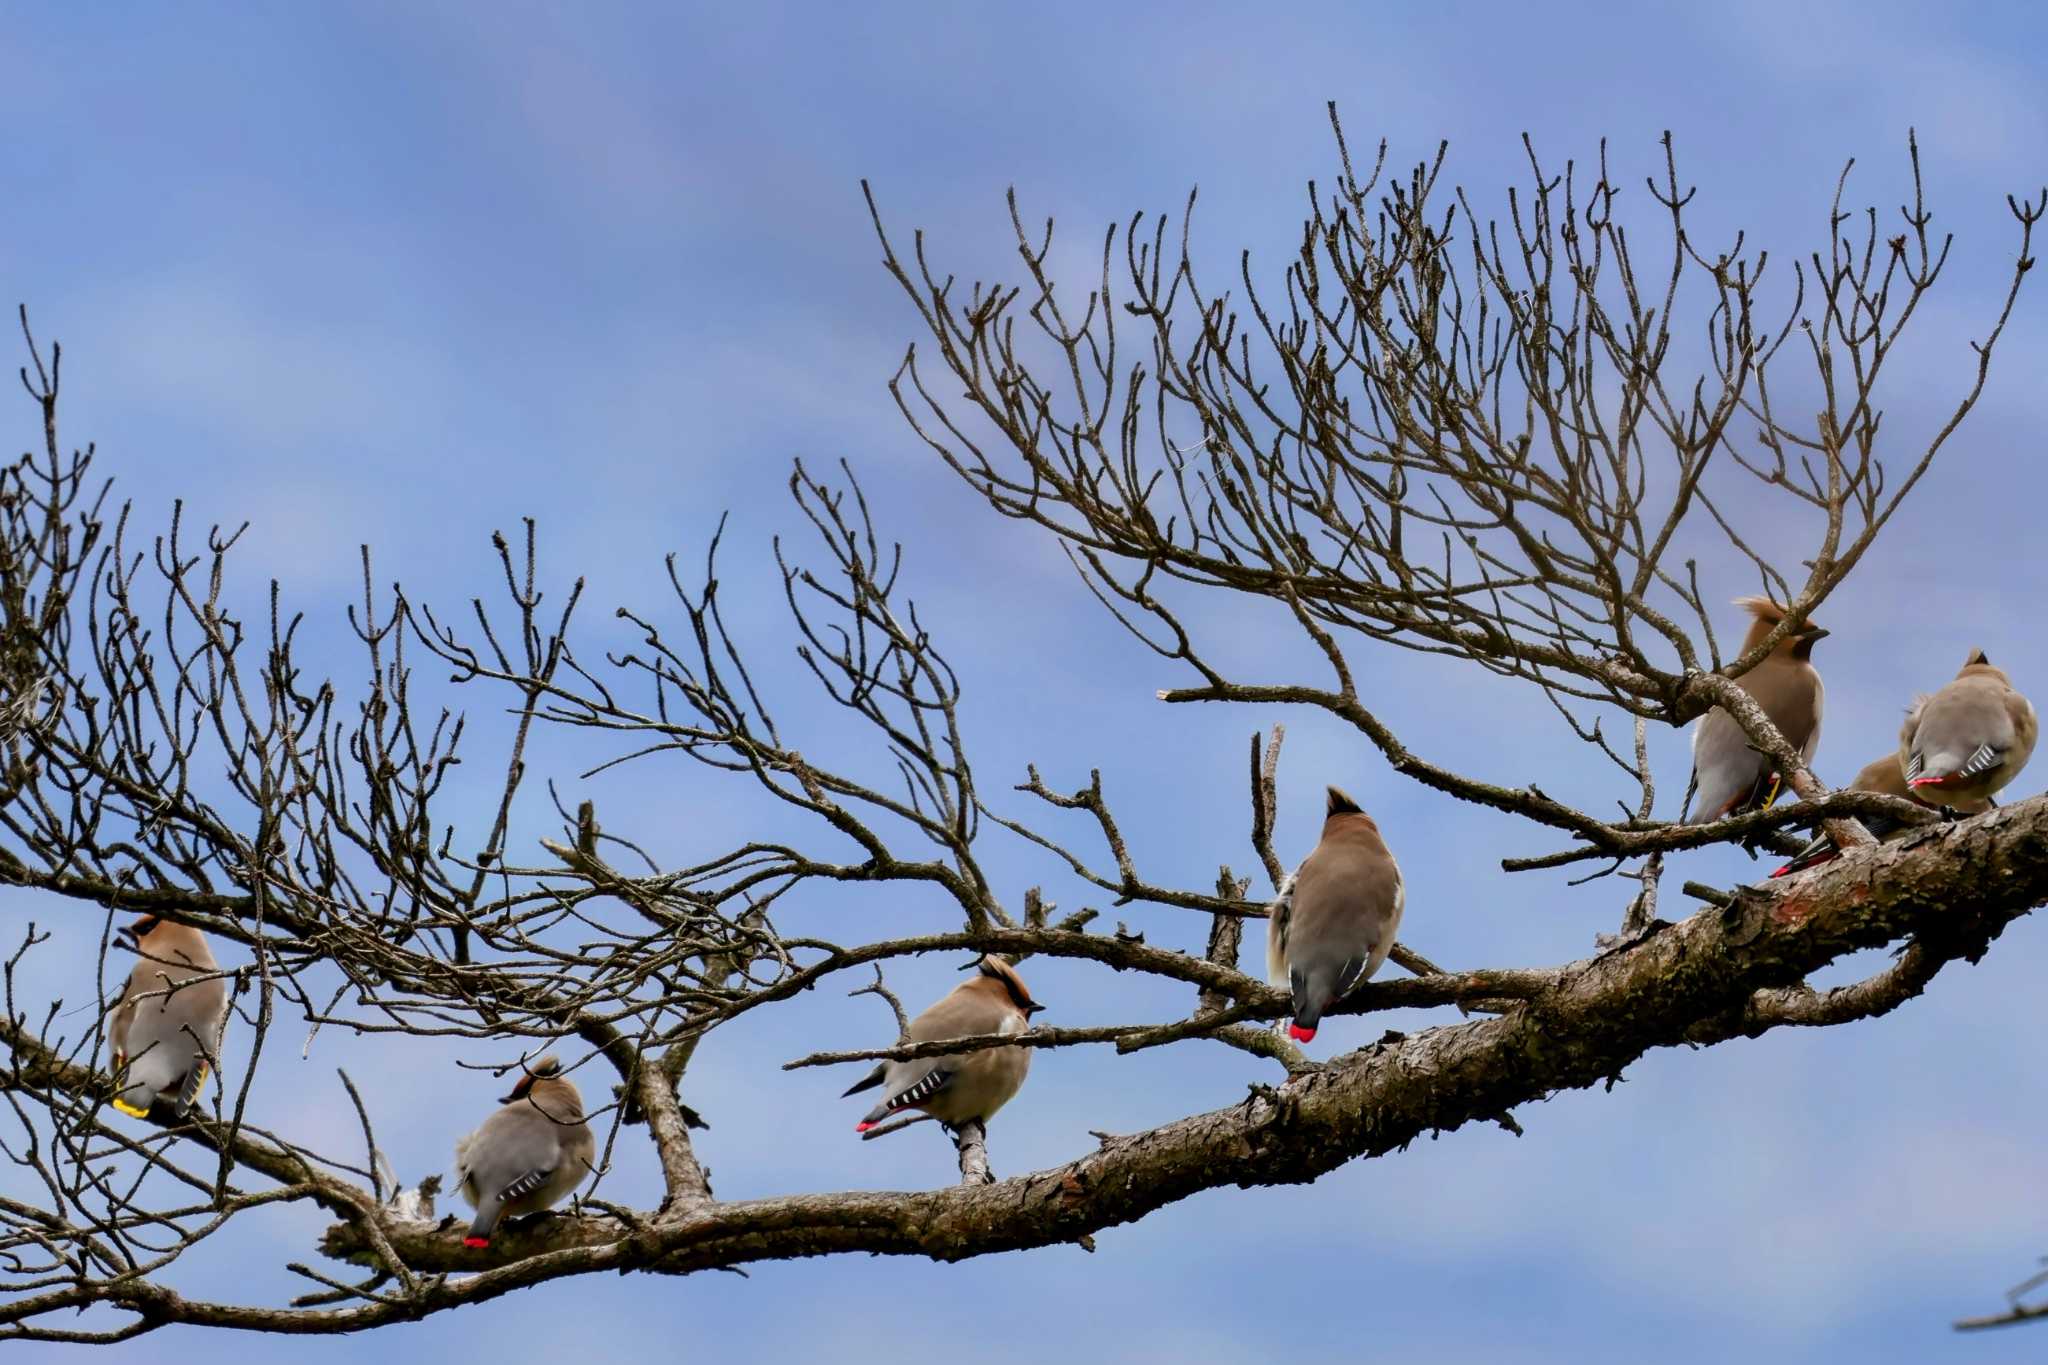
<point>407,274</point>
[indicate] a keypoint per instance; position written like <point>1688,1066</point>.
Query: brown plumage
<point>1729,776</point>
<point>1880,775</point>
<point>1336,917</point>
<point>1970,739</point>
<point>972,1085</point>
<point>165,1030</point>
<point>529,1154</point>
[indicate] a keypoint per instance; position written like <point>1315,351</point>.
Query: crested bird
<point>1970,739</point>
<point>970,1086</point>
<point>166,1028</point>
<point>529,1154</point>
<point>1731,777</point>
<point>1883,776</point>
<point>1335,919</point>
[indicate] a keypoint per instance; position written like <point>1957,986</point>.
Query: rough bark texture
<point>1726,971</point>
<point>1449,434</point>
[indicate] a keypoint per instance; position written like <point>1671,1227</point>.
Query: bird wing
<point>1277,916</point>
<point>1725,769</point>
<point>924,1087</point>
<point>526,1182</point>
<point>1962,733</point>
<point>867,1082</point>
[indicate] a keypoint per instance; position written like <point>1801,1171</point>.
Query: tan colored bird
<point>166,1029</point>
<point>1883,776</point>
<point>1336,917</point>
<point>528,1155</point>
<point>1729,776</point>
<point>1970,739</point>
<point>973,1085</point>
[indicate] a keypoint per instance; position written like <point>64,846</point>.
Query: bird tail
<point>484,1224</point>
<point>1821,850</point>
<point>122,1087</point>
<point>1309,1004</point>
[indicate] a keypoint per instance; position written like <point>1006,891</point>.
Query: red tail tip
<point>476,1241</point>
<point>1300,1034</point>
<point>862,1126</point>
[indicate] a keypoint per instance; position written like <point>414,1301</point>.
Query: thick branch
<point>1958,886</point>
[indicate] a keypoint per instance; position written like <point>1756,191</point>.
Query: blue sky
<point>405,274</point>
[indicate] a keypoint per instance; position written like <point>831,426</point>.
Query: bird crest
<point>998,970</point>
<point>543,1068</point>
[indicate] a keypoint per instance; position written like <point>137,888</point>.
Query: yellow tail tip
<point>130,1110</point>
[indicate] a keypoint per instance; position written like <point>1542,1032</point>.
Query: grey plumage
<point>1881,775</point>
<point>1335,920</point>
<point>972,1085</point>
<point>165,1031</point>
<point>1729,775</point>
<point>528,1155</point>
<point>1970,739</point>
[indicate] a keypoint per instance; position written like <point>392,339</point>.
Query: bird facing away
<point>1967,741</point>
<point>973,1085</point>
<point>166,1029</point>
<point>1336,917</point>
<point>1729,776</point>
<point>1881,775</point>
<point>528,1155</point>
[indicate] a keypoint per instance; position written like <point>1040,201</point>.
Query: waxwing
<point>1883,776</point>
<point>1336,917</point>
<point>166,1029</point>
<point>528,1155</point>
<point>1967,741</point>
<point>1729,776</point>
<point>973,1085</point>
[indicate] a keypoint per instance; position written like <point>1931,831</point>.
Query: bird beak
<point>1816,633</point>
<point>1032,1009</point>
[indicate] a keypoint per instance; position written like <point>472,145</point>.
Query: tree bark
<point>1726,971</point>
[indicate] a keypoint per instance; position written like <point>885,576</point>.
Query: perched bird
<point>166,1029</point>
<point>1336,917</point>
<point>1729,776</point>
<point>972,1085</point>
<point>528,1155</point>
<point>1968,740</point>
<point>1882,776</point>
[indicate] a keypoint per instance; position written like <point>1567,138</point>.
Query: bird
<point>529,1154</point>
<point>1336,917</point>
<point>970,1086</point>
<point>1729,775</point>
<point>1970,739</point>
<point>1880,775</point>
<point>166,1028</point>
